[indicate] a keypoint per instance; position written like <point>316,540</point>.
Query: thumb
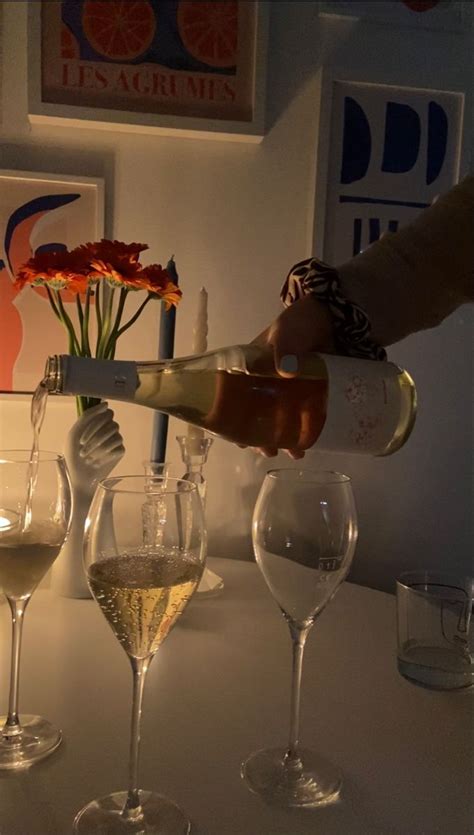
<point>286,363</point>
<point>287,346</point>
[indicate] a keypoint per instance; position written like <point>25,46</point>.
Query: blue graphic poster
<point>448,15</point>
<point>393,151</point>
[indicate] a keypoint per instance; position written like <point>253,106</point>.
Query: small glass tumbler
<point>433,619</point>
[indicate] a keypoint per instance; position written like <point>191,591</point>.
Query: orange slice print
<point>209,31</point>
<point>69,44</point>
<point>420,5</point>
<point>119,29</point>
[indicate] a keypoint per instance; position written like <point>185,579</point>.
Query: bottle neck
<point>52,379</point>
<point>66,374</point>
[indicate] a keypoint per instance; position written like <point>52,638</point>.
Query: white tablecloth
<point>218,689</point>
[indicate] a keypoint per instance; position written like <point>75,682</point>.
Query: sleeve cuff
<point>351,323</point>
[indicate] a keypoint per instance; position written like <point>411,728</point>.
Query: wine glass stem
<point>132,807</point>
<point>298,637</point>
<point>12,727</point>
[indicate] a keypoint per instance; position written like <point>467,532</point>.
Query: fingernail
<point>289,364</point>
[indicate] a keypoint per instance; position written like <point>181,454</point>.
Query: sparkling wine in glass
<point>35,514</point>
<point>144,551</point>
<point>304,533</point>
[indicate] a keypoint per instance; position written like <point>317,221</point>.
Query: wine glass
<point>144,551</point>
<point>35,515</point>
<point>304,534</point>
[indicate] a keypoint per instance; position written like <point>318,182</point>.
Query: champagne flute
<point>144,551</point>
<point>35,515</point>
<point>304,534</point>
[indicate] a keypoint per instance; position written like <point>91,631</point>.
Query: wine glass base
<point>38,740</point>
<point>159,816</point>
<point>306,781</point>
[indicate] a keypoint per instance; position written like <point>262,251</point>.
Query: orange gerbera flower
<point>58,270</point>
<point>158,281</point>
<point>99,263</point>
<point>115,261</point>
<point>112,251</point>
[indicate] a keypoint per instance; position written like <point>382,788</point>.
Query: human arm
<point>405,282</point>
<point>414,278</point>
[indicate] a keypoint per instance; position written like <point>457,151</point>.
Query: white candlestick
<point>199,345</point>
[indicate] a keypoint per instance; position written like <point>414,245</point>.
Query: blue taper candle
<point>165,351</point>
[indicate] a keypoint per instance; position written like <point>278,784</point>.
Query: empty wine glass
<point>35,515</point>
<point>144,550</point>
<point>304,534</point>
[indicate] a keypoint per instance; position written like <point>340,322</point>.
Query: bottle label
<point>116,379</point>
<point>364,405</point>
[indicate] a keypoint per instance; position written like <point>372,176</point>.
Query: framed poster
<point>390,151</point>
<point>1,64</point>
<point>448,15</point>
<point>38,212</point>
<point>150,65</point>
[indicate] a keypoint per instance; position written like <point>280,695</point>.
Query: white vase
<point>94,447</point>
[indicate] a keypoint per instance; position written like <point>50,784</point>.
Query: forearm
<point>412,279</point>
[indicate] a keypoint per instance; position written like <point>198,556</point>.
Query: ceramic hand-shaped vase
<point>94,446</point>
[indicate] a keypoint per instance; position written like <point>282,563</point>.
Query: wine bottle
<point>340,403</point>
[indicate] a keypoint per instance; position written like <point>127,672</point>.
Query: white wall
<point>237,216</point>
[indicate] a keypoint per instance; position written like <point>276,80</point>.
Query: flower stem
<point>53,303</point>
<point>85,324</point>
<point>80,314</point>
<point>134,317</point>
<point>106,324</point>
<point>109,349</point>
<point>98,313</point>
<point>67,324</point>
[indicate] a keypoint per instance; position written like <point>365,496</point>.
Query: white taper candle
<point>200,327</point>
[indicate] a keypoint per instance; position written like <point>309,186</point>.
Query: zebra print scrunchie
<point>351,324</point>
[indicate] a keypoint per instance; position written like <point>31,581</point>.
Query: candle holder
<point>194,452</point>
<point>154,509</point>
